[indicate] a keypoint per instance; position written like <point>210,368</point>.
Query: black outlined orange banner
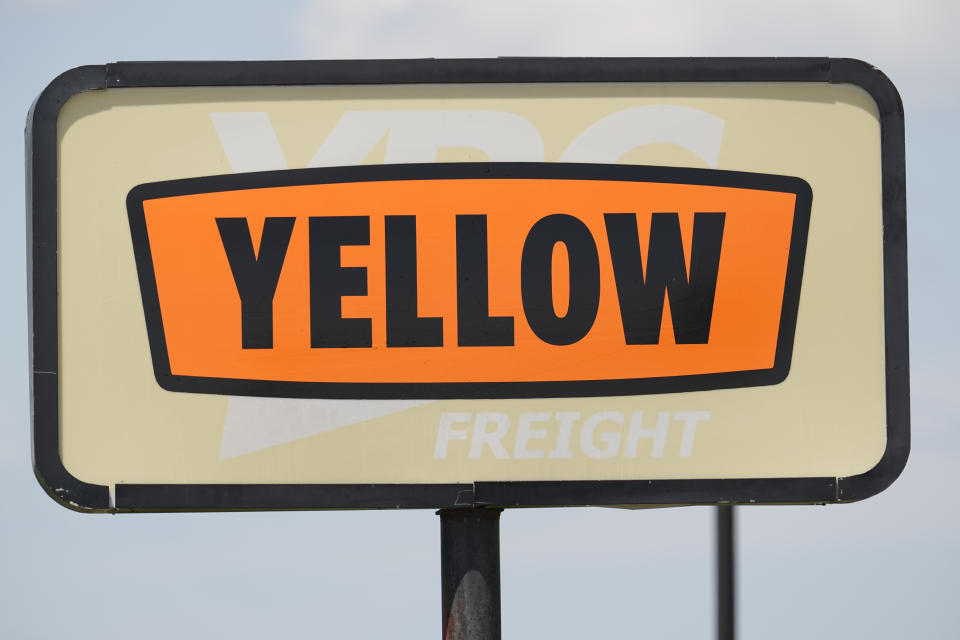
<point>470,280</point>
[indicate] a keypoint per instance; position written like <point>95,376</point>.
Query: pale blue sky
<point>888,567</point>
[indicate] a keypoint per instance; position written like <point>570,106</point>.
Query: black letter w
<point>641,298</point>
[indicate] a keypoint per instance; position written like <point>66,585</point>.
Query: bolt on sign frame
<point>447,283</point>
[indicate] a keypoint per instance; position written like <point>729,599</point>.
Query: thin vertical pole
<point>470,573</point>
<point>726,601</point>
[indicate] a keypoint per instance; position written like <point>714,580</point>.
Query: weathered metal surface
<point>470,573</point>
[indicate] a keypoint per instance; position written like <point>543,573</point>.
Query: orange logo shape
<point>470,280</point>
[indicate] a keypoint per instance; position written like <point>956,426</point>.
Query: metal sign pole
<point>726,601</point>
<point>470,573</point>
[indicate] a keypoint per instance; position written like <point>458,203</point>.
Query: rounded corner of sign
<point>878,478</point>
<point>871,79</point>
<point>62,88</point>
<point>69,491</point>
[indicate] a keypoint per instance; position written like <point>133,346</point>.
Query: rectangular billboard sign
<point>437,283</point>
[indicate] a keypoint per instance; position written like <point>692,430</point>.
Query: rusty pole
<point>470,573</point>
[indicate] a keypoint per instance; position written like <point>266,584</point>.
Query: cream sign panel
<point>438,283</point>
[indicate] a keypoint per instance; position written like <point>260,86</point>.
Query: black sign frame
<point>42,257</point>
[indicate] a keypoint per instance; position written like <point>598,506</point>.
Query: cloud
<point>913,42</point>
